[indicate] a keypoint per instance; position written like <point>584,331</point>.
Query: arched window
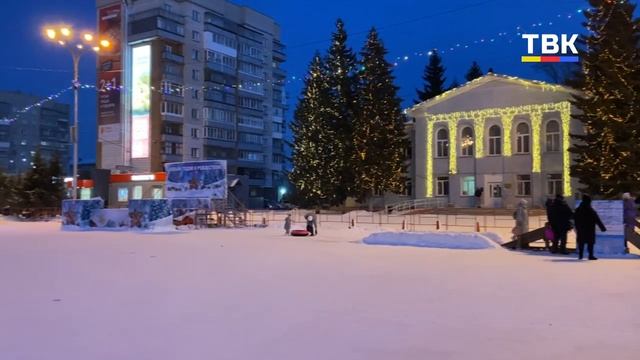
<point>466,141</point>
<point>495,140</point>
<point>523,139</point>
<point>442,143</point>
<point>553,135</point>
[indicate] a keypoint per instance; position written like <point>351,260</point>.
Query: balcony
<point>166,55</point>
<point>215,66</point>
<point>279,73</point>
<point>157,12</point>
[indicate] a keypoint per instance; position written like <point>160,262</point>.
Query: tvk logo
<point>553,48</point>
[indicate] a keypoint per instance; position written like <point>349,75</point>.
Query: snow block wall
<point>611,214</point>
<point>144,214</point>
<point>77,213</point>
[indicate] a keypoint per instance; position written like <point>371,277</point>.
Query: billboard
<point>140,101</point>
<point>110,65</point>
<point>197,179</point>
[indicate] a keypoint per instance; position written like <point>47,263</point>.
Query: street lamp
<point>64,36</point>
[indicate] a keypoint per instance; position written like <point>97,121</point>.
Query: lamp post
<point>63,36</point>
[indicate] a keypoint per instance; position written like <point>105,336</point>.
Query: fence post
<point>437,224</point>
<point>477,226</point>
<point>404,224</point>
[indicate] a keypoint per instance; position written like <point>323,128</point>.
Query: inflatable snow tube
<point>299,233</point>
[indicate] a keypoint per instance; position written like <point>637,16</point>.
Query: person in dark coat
<point>560,216</point>
<point>586,219</point>
<point>547,205</point>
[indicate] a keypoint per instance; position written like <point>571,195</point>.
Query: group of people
<point>561,219</point>
<point>312,225</point>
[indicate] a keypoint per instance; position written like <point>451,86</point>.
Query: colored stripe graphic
<point>549,59</point>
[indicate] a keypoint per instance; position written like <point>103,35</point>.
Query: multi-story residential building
<point>44,128</point>
<point>202,79</point>
<point>508,136</point>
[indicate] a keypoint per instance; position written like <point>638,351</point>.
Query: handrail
<point>424,203</point>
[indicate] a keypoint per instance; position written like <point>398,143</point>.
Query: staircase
<point>425,203</point>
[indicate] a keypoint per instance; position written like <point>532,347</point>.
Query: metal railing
<point>426,203</point>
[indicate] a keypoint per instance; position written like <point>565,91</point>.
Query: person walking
<point>630,214</point>
<point>287,224</point>
<point>560,216</point>
<point>311,225</point>
<point>522,221</point>
<point>586,219</point>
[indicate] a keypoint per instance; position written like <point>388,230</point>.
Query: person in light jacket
<point>287,224</point>
<point>522,220</point>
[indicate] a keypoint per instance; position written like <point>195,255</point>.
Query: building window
<point>553,136</point>
<point>156,192</point>
<point>194,113</point>
<point>219,133</point>
<point>468,185</point>
<point>251,156</point>
<point>251,103</point>
<point>195,153</point>
<point>495,140</point>
<point>195,36</point>
<point>195,93</point>
<point>171,108</point>
<point>554,184</point>
<point>467,141</point>
<point>137,192</point>
<point>195,133</point>
<point>195,74</point>
<point>442,143</point>
<point>442,186</point>
<point>195,15</point>
<point>171,148</point>
<point>523,138</point>
<point>85,194</point>
<point>171,88</point>
<point>195,54</point>
<point>123,194</point>
<point>524,185</point>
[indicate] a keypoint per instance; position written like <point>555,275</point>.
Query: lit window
<point>495,140</point>
<point>156,192</point>
<point>524,185</point>
<point>467,141</point>
<point>137,192</point>
<point>85,194</point>
<point>468,186</point>
<point>522,138</point>
<point>123,194</point>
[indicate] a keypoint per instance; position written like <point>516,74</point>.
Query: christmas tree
<point>607,152</point>
<point>36,184</point>
<point>474,72</point>
<point>313,173</point>
<point>341,70</point>
<point>379,136</point>
<point>433,78</point>
<point>56,188</point>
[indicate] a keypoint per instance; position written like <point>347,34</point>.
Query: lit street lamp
<point>64,36</point>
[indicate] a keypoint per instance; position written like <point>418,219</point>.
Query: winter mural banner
<point>197,179</point>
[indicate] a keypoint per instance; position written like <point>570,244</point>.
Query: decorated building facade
<point>507,136</point>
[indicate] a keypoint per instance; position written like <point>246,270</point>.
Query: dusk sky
<point>408,28</point>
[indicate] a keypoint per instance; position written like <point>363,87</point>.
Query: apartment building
<point>192,80</point>
<point>44,128</point>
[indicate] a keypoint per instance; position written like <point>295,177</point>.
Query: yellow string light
<point>429,184</point>
<point>536,153</point>
<point>453,136</point>
<point>565,115</point>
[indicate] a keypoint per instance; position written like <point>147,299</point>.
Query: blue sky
<point>408,27</point>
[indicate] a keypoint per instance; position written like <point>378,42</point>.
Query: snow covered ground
<point>256,294</point>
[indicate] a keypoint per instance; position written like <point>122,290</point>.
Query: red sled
<point>299,233</point>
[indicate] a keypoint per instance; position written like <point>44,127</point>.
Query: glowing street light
<point>76,47</point>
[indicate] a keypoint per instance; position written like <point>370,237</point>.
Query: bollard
<point>477,226</point>
<point>353,223</point>
<point>437,224</point>
<point>264,221</point>
<point>404,224</point>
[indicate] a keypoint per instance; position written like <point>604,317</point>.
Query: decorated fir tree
<point>433,77</point>
<point>314,174</point>
<point>379,137</point>
<point>607,153</point>
<point>474,72</point>
<point>342,76</point>
<point>55,187</point>
<point>36,184</point>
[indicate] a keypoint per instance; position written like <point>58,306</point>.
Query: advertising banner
<point>197,179</point>
<point>109,65</point>
<point>109,133</point>
<point>140,101</point>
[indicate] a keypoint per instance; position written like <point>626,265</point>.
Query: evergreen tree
<point>433,77</point>
<point>341,70</point>
<point>491,71</point>
<point>607,153</point>
<point>36,184</point>
<point>5,190</point>
<point>379,136</point>
<point>313,174</point>
<point>56,187</point>
<point>474,72</point>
